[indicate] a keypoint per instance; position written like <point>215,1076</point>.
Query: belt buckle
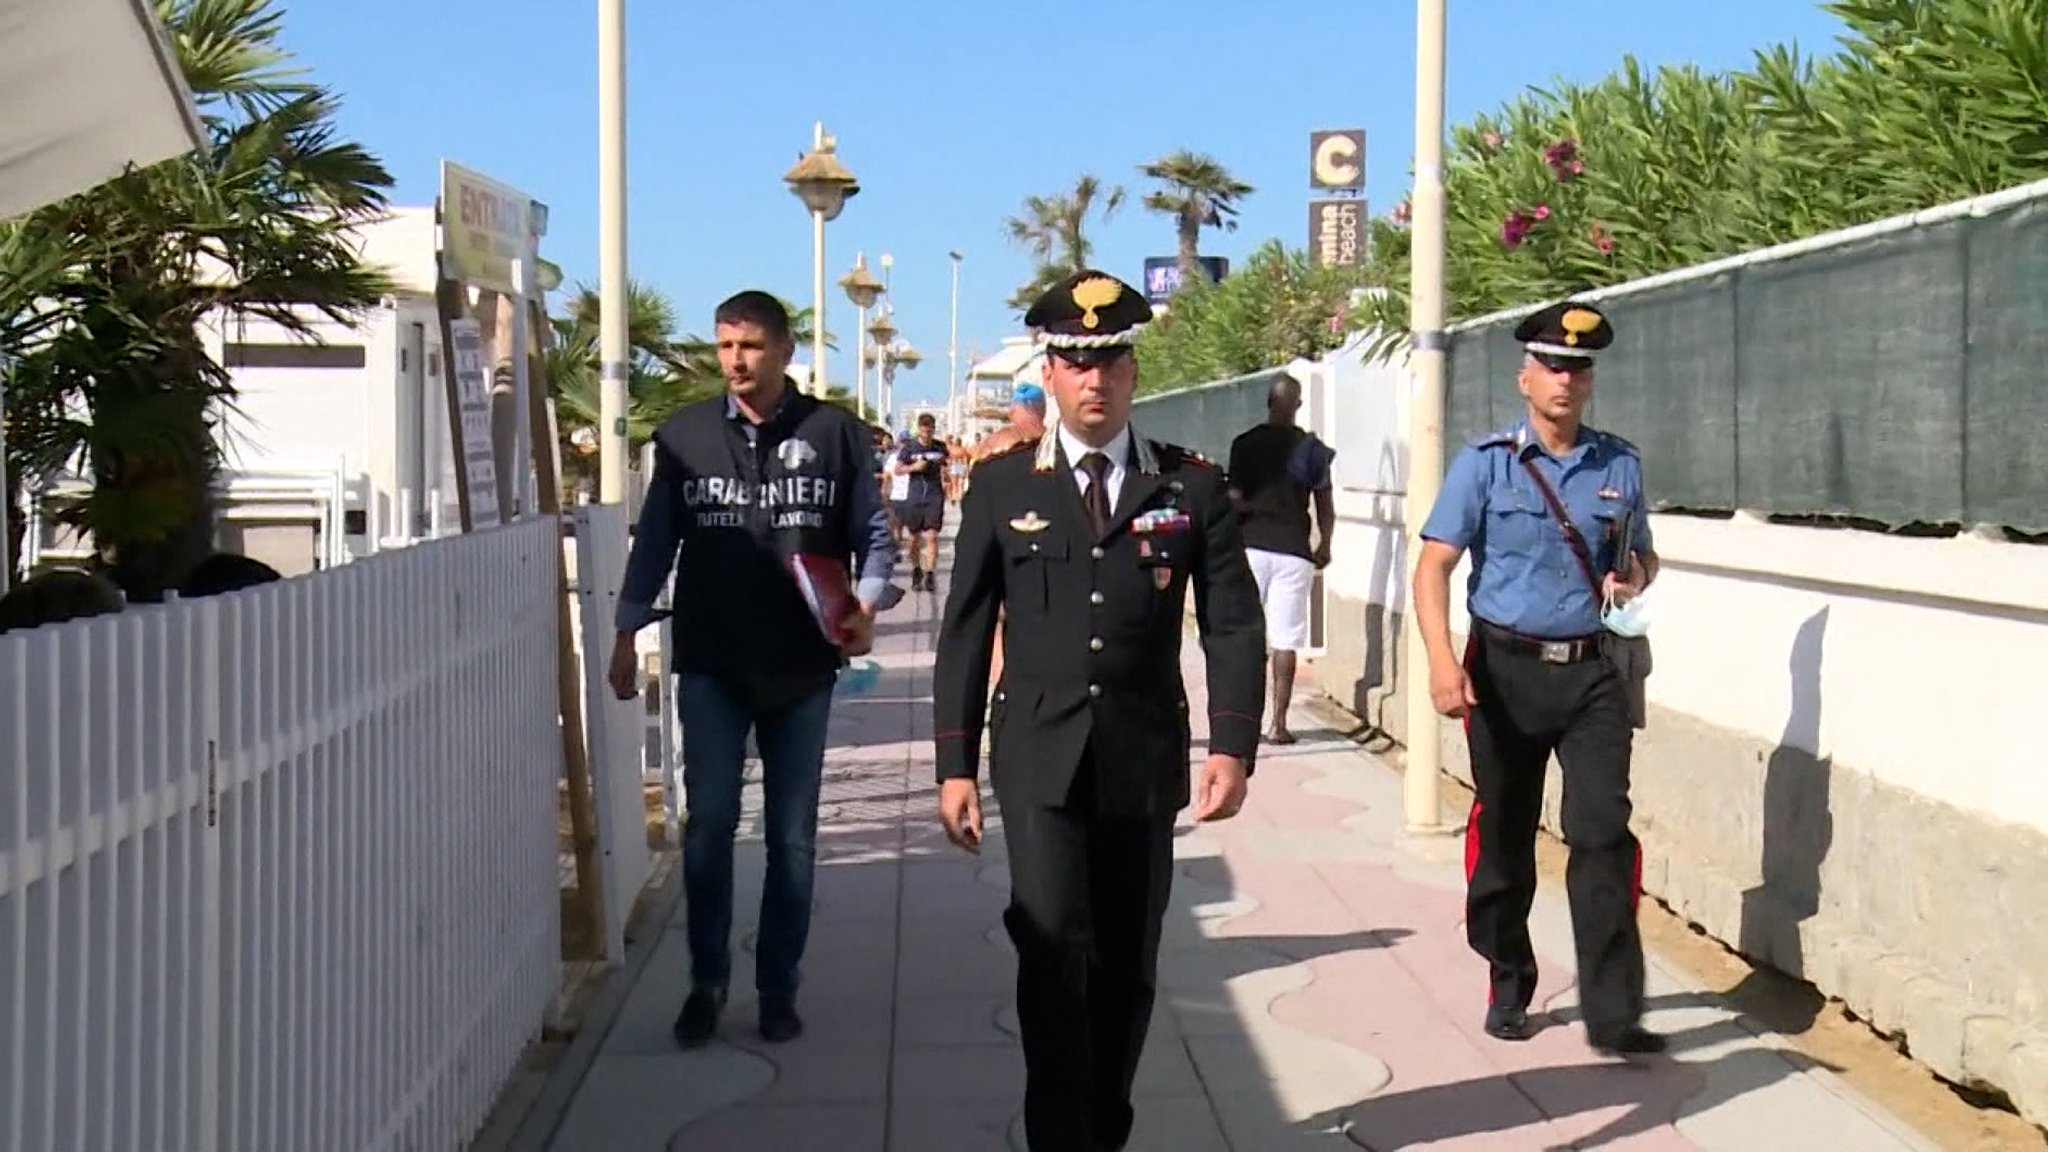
<point>1556,652</point>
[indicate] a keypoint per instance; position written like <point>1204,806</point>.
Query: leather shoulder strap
<point>1564,523</point>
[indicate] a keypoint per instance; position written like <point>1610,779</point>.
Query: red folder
<point>827,587</point>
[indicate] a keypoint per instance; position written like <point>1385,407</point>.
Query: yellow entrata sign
<point>485,226</point>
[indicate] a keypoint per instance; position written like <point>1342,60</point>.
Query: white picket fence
<point>278,869</point>
<point>615,730</point>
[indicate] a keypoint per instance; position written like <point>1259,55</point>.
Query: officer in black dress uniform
<point>1083,543</point>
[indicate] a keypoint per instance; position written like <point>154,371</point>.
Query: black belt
<point>1569,650</point>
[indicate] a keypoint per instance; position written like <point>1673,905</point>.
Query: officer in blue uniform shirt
<point>1535,677</point>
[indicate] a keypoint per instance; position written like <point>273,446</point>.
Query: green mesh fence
<point>1207,418</point>
<point>1900,379</point>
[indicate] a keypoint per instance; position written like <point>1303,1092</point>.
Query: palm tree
<point>1054,230</point>
<point>665,371</point>
<point>1199,193</point>
<point>260,222</point>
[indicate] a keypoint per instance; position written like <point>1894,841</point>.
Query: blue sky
<point>949,113</point>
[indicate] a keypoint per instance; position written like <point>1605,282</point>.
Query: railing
<point>616,730</point>
<point>278,869</point>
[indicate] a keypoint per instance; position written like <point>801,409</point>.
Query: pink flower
<point>1603,241</point>
<point>1563,158</point>
<point>1542,211</point>
<point>1402,212</point>
<point>1491,139</point>
<point>1514,228</point>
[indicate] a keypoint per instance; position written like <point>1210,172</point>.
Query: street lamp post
<point>888,355</point>
<point>824,185</point>
<point>882,331</point>
<point>863,289</point>
<point>1426,413</point>
<point>953,420</point>
<point>612,336</point>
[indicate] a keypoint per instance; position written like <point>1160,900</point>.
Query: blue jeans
<point>792,746</point>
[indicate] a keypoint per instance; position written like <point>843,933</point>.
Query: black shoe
<point>1506,1022</point>
<point>779,1022</point>
<point>697,1023</point>
<point>1634,1040</point>
<point>917,579</point>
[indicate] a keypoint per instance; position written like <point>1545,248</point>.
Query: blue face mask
<point>1631,619</point>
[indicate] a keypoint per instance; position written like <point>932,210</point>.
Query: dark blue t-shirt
<point>929,485</point>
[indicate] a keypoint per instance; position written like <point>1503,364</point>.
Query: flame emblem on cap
<point>1577,322</point>
<point>1092,293</point>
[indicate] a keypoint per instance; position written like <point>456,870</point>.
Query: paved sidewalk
<point>1317,991</point>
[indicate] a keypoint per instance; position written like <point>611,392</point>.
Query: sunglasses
<point>1089,357</point>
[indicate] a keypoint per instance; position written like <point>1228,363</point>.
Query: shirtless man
<point>1027,423</point>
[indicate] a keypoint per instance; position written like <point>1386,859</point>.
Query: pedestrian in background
<point>1277,470</point>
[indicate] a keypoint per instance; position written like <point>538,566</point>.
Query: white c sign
<point>1336,162</point>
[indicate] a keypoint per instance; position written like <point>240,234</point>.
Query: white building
<point>336,448</point>
<point>985,403</point>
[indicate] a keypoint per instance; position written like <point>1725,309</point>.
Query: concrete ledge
<point>1923,919</point>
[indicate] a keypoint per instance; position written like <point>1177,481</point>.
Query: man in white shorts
<point>1277,470</point>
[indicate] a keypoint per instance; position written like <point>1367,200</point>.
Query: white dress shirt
<point>1118,450</point>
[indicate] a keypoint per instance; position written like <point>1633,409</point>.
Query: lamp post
<point>882,331</point>
<point>953,420</point>
<point>863,289</point>
<point>824,185</point>
<point>1426,412</point>
<point>612,336</point>
<point>887,356</point>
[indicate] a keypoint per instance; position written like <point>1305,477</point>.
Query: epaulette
<point>1182,455</point>
<point>1619,443</point>
<point>1010,449</point>
<point>1504,439</point>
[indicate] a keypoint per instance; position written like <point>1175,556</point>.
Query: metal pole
<point>818,304</point>
<point>818,280</point>
<point>1426,407</point>
<point>860,367</point>
<point>6,504</point>
<point>522,461</point>
<point>611,255</point>
<point>953,420</point>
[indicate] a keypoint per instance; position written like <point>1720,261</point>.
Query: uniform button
<point>1095,552</point>
<point>1095,644</point>
<point>1095,689</point>
<point>1095,597</point>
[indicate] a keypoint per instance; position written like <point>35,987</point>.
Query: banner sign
<point>1336,232</point>
<point>485,226</point>
<point>471,380</point>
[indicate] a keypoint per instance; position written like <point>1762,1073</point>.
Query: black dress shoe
<point>1506,1022</point>
<point>779,1022</point>
<point>1634,1040</point>
<point>697,1023</point>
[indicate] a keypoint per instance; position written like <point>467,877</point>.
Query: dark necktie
<point>1096,466</point>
